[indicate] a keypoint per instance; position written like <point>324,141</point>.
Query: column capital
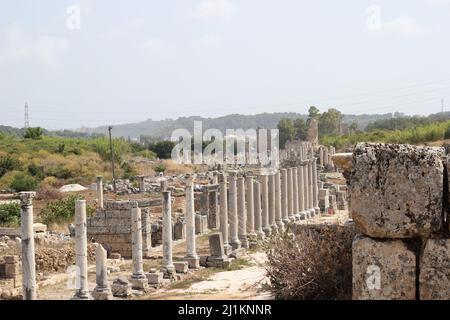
<point>26,198</point>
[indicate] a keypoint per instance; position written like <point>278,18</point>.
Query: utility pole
<point>442,105</point>
<point>112,158</point>
<point>27,119</point>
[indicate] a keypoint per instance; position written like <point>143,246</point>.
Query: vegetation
<point>413,135</point>
<point>10,214</point>
<point>33,133</point>
<point>62,210</point>
<point>316,264</point>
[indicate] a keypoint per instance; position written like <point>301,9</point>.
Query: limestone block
<point>216,245</point>
<point>155,278</point>
<point>121,288</point>
<point>181,266</point>
<point>383,270</point>
<point>396,191</point>
<point>435,270</point>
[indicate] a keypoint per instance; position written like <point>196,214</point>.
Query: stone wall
<point>399,202</point>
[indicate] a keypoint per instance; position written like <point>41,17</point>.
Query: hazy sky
<point>127,61</point>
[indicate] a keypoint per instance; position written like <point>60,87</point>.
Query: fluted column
<point>233,212</point>
<point>272,203</point>
<point>191,252</point>
<point>249,195</point>
<point>100,191</point>
<point>284,196</point>
<point>290,195</point>
<point>315,187</point>
<point>224,212</point>
<point>311,187</point>
<point>296,192</point>
<point>242,215</point>
<point>278,218</point>
<point>306,189</point>
<point>27,233</point>
<point>265,204</point>
<point>138,279</point>
<point>82,292</point>
<point>167,263</point>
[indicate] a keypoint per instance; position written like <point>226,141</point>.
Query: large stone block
<point>435,270</point>
<point>396,191</point>
<point>383,270</point>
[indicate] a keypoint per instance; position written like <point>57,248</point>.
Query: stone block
<point>396,191</point>
<point>383,269</point>
<point>216,245</point>
<point>155,278</point>
<point>181,266</point>
<point>12,270</point>
<point>179,230</point>
<point>435,270</point>
<point>121,288</point>
<point>199,226</point>
<point>11,259</point>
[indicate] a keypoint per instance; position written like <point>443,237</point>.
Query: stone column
<point>257,209</point>
<point>163,185</point>
<point>290,195</point>
<point>27,236</point>
<point>233,212</point>
<point>103,290</point>
<point>250,206</point>
<point>141,184</point>
<point>306,189</point>
<point>311,187</point>
<point>278,218</point>
<point>265,204</point>
<point>224,212</point>
<point>191,252</point>
<point>167,263</point>
<point>272,204</point>
<point>100,191</point>
<point>213,217</point>
<point>325,157</point>
<point>295,192</point>
<point>315,187</point>
<point>138,279</point>
<point>82,292</point>
<point>242,217</point>
<point>301,193</point>
<point>284,196</point>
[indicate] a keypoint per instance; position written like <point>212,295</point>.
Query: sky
<point>98,62</point>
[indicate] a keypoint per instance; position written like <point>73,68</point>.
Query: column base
<point>168,271</point>
<point>286,221</point>
<point>267,231</point>
<point>280,225</point>
<point>193,262</point>
<point>227,249</point>
<point>82,295</point>
<point>317,211</point>
<point>274,228</point>
<point>244,241</point>
<point>303,215</point>
<point>312,212</point>
<point>102,294</point>
<point>260,235</point>
<point>235,244</point>
<point>139,283</point>
<point>292,218</point>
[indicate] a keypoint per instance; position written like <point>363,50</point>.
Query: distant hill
<point>164,128</point>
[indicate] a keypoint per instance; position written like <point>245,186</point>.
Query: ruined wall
<point>111,226</point>
<point>399,202</point>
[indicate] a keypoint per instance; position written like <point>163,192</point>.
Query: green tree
<point>301,129</point>
<point>353,127</point>
<point>329,122</point>
<point>33,133</point>
<point>163,149</point>
<point>313,113</point>
<point>286,131</point>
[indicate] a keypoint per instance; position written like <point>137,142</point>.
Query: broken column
<point>290,193</point>
<point>265,204</point>
<point>296,192</point>
<point>284,197</point>
<point>272,203</point>
<point>167,263</point>
<point>257,210</point>
<point>102,290</point>
<point>224,212</point>
<point>100,191</point>
<point>233,212</point>
<point>141,184</point>
<point>278,217</point>
<point>82,292</point>
<point>213,217</point>
<point>191,253</point>
<point>27,236</point>
<point>249,195</point>
<point>315,187</point>
<point>242,217</point>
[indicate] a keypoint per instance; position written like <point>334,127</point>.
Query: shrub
<point>8,163</point>
<point>61,211</point>
<point>23,182</point>
<point>160,167</point>
<point>316,264</point>
<point>146,154</point>
<point>33,133</point>
<point>128,171</point>
<point>163,149</point>
<point>48,192</point>
<point>10,214</point>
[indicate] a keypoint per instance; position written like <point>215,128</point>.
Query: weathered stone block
<point>155,278</point>
<point>181,266</point>
<point>216,245</point>
<point>121,288</point>
<point>383,270</point>
<point>396,191</point>
<point>435,270</point>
